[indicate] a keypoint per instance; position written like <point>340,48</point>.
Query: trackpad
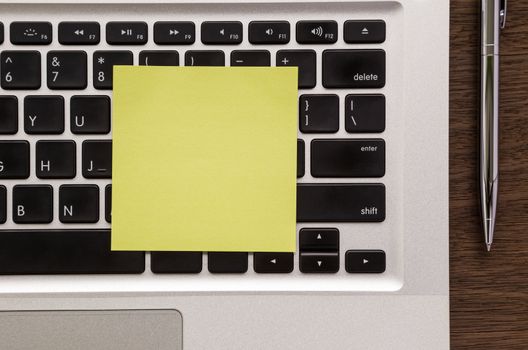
<point>89,330</point>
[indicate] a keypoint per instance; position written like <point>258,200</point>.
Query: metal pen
<point>493,19</point>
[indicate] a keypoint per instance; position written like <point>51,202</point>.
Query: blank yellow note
<point>204,158</point>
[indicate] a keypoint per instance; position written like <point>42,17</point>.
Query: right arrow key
<point>365,261</point>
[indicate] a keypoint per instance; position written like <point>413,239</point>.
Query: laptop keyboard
<point>56,149</point>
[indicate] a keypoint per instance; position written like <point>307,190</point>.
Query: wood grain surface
<point>489,291</point>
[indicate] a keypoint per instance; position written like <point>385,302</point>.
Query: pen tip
<point>488,246</point>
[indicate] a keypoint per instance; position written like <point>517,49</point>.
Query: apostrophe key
<point>8,114</point>
<point>316,32</point>
<point>159,58</point>
<point>269,32</point>
<point>227,262</point>
<point>205,58</point>
<point>250,58</point>
<point>347,157</point>
<point>44,114</point>
<point>79,33</point>
<point>97,159</point>
<point>79,203</point>
<point>365,261</point>
<point>273,262</point>
<point>221,33</point>
<point>55,159</point>
<point>358,32</point>
<point>176,262</point>
<point>305,60</point>
<point>24,252</point>
<point>319,113</point>
<point>67,70</point>
<point>31,33</point>
<point>90,114</point>
<point>126,33</point>
<point>354,69</point>
<point>340,202</point>
<point>32,204</point>
<point>300,158</point>
<point>20,70</point>
<point>103,66</point>
<point>365,113</point>
<point>174,33</point>
<point>14,159</point>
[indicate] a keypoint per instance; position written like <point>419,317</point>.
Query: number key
<point>103,64</point>
<point>67,70</point>
<point>20,70</point>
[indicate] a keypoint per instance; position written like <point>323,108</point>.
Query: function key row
<point>88,252</point>
<point>184,32</point>
<point>353,68</point>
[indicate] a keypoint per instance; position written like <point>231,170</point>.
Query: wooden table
<point>489,292</point>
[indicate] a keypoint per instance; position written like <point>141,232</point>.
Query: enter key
<point>348,157</point>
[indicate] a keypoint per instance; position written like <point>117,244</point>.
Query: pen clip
<point>502,13</point>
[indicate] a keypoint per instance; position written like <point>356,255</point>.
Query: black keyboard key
<point>31,33</point>
<point>319,262</point>
<point>316,32</point>
<point>1,33</point>
<point>32,204</point>
<point>67,70</point>
<point>174,33</point>
<point>250,58</point>
<point>348,157</point>
<point>305,60</point>
<point>126,33</point>
<point>359,32</point>
<point>24,252</point>
<point>159,58</point>
<point>3,204</point>
<point>269,32</point>
<point>365,261</point>
<point>79,203</point>
<point>97,159</point>
<point>224,262</point>
<point>319,113</point>
<point>219,33</point>
<point>8,114</point>
<point>176,262</point>
<point>90,114</point>
<point>365,113</point>
<point>44,114</point>
<point>20,70</point>
<point>300,158</point>
<point>273,262</point>
<point>340,202</point>
<point>204,58</point>
<point>108,203</point>
<point>354,69</point>
<point>14,159</point>
<point>322,240</point>
<point>55,159</point>
<point>79,33</point>
<point>103,66</point>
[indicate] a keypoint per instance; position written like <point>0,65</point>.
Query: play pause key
<point>365,261</point>
<point>273,262</point>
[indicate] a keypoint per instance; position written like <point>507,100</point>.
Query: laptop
<point>371,266</point>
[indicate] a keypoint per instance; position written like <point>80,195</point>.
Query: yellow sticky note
<point>204,158</point>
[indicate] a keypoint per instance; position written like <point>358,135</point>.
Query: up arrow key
<point>319,236</point>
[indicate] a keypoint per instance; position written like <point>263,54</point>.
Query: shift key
<point>340,202</point>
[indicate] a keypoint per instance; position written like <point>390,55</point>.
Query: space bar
<point>28,252</point>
